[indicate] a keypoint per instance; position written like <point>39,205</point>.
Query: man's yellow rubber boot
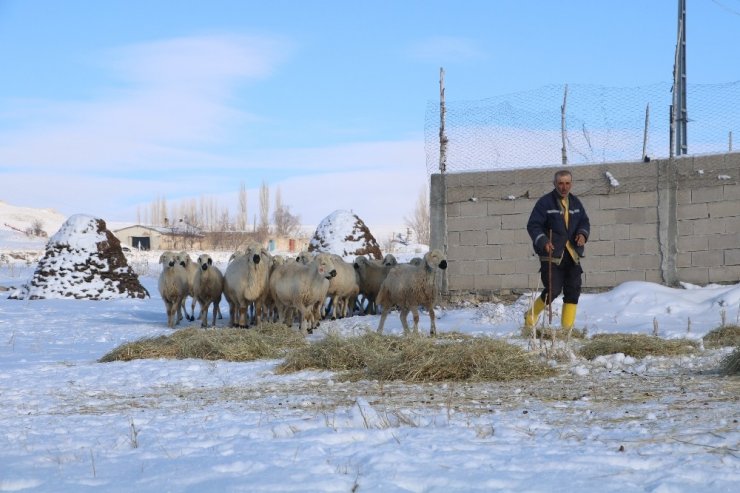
<point>533,313</point>
<point>568,317</point>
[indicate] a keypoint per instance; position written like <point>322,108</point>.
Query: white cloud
<point>175,96</point>
<point>445,48</point>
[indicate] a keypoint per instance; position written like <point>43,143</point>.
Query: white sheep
<point>208,286</point>
<point>409,286</point>
<point>371,274</point>
<point>299,287</point>
<point>191,268</point>
<point>343,288</point>
<point>271,313</point>
<point>173,286</point>
<point>246,283</point>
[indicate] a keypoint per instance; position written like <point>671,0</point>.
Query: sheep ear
<point>161,259</point>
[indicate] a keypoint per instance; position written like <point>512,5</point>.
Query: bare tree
<point>264,226</point>
<point>285,223</point>
<point>419,221</point>
<point>241,217</point>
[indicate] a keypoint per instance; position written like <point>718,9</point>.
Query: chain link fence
<point>603,124</point>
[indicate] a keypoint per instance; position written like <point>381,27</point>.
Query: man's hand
<point>580,240</point>
<point>549,248</point>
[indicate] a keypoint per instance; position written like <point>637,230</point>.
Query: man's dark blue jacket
<point>548,215</point>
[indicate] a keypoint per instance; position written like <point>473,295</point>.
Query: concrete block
<point>596,248</point>
<point>694,275</point>
<point>613,232</point>
<point>683,260</point>
<point>625,248</point>
<point>453,210</point>
<point>515,281</point>
<point>471,223</point>
<point>642,262</point>
<point>685,228</point>
<point>630,216</point>
<point>732,257</point>
<point>514,221</point>
<point>473,209</point>
<point>729,273</point>
<point>683,196</point>
<point>599,217</point>
<point>655,276</point>
<point>643,199</point>
<point>499,267</point>
<point>460,283</point>
<point>453,238</point>
<point>471,267</point>
<point>709,226</point>
<point>732,225</point>
<point>501,207</point>
<point>484,281</point>
<point>473,238</point>
<point>692,211</point>
<point>515,252</point>
<point>461,253</point>
<point>722,242</point>
<point>487,252</point>
<point>692,243</point>
<point>707,194</point>
<point>713,258</point>
<point>643,231</point>
<point>599,280</point>
<point>629,275</point>
<point>615,201</point>
<point>724,209</point>
<point>731,192</point>
<point>507,237</point>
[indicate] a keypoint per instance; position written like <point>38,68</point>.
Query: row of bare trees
<point>208,215</point>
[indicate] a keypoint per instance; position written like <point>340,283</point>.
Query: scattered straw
<point>267,341</point>
<point>635,345</point>
<point>727,335</point>
<point>417,359</point>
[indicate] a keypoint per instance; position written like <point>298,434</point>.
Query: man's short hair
<point>562,172</point>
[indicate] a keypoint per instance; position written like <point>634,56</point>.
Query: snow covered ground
<point>71,424</point>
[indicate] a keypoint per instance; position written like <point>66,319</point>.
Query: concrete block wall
<point>693,216</point>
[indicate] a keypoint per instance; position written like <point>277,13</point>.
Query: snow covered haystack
<point>344,234</point>
<point>83,260</point>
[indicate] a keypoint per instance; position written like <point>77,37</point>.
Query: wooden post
<point>730,142</point>
<point>562,125</point>
<point>442,112</point>
<point>645,133</point>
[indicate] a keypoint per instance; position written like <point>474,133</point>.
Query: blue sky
<point>105,106</point>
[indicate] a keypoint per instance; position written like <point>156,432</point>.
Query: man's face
<point>563,184</point>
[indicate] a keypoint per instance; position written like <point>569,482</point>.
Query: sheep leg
<point>433,328</point>
<point>415,312</point>
<point>192,310</point>
<point>383,316</point>
<point>404,319</point>
<point>203,313</point>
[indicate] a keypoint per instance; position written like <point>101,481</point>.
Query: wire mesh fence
<point>603,124</point>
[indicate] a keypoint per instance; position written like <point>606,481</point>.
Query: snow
<point>615,424</point>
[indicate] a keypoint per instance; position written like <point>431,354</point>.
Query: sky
<point>612,424</point>
<point>107,107</point>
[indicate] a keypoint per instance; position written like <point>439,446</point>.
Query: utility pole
<point>679,116</point>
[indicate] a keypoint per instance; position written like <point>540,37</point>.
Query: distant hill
<point>15,221</point>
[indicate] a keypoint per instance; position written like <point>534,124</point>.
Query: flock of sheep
<point>261,287</point>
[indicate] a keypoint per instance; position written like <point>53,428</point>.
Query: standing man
<point>559,228</point>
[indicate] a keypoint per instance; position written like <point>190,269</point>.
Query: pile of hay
<point>727,335</point>
<point>417,359</point>
<point>635,345</point>
<point>266,342</point>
